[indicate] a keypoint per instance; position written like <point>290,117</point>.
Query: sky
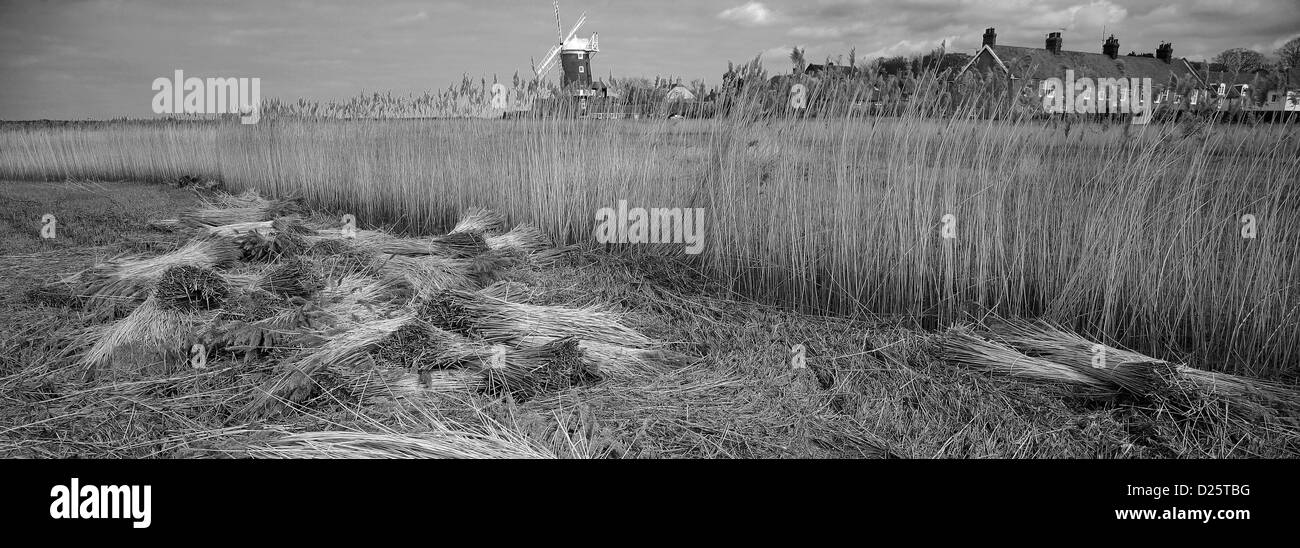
<point>77,59</point>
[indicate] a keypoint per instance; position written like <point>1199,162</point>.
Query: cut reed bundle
<point>342,348</point>
<point>129,280</point>
<point>1241,389</point>
<point>257,210</point>
<point>293,277</point>
<point>523,239</point>
<point>420,346</point>
<point>148,337</point>
<point>189,288</point>
<point>238,229</point>
<point>260,321</point>
<point>1136,373</point>
<point>292,224</point>
<point>247,198</point>
<point>358,236</point>
<point>339,258</point>
<point>265,247</point>
<point>1131,372</point>
<point>480,221</point>
<point>432,273</point>
<point>529,370</point>
<point>455,245</point>
<point>360,298</point>
<point>620,361</point>
<point>964,348</point>
<point>498,320</point>
<point>548,257</point>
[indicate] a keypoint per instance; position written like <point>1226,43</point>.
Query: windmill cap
<point>577,44</point>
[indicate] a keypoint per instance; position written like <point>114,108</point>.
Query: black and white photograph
<point>672,230</point>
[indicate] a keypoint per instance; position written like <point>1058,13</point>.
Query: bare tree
<point>1238,60</point>
<point>1288,57</point>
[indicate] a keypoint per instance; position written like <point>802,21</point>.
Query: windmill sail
<point>568,42</point>
<point>552,56</point>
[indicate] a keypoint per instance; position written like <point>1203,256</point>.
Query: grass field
<point>882,386</point>
<point>1131,234</point>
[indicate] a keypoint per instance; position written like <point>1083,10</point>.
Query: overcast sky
<point>72,59</point>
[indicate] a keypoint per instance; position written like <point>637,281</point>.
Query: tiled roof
<point>1040,63</point>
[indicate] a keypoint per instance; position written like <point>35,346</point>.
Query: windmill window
<point>582,69</point>
<point>580,54</point>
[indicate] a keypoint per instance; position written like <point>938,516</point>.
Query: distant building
<point>1034,65</point>
<point>828,69</point>
<point>679,93</point>
<point>1218,75</point>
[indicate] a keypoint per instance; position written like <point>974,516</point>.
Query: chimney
<point>1054,42</point>
<point>990,37</point>
<point>1111,47</point>
<point>1165,52</point>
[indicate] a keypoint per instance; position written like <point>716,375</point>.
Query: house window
<point>582,69</point>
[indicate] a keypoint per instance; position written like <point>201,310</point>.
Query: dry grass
<point>446,444</point>
<point>876,386</point>
<point>1128,233</point>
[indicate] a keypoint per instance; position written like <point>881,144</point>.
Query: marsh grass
<point>1130,234</point>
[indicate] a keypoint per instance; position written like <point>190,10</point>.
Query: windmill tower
<point>574,56</point>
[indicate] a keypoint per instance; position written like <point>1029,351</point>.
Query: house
<point>679,93</point>
<point>1033,66</point>
<point>1219,78</point>
<point>828,69</point>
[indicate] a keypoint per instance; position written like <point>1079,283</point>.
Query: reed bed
<point>360,367</point>
<point>1126,233</point>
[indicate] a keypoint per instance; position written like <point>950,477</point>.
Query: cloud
<point>336,48</point>
<point>775,58</point>
<point>910,47</point>
<point>411,19</point>
<point>830,32</point>
<point>1095,14</point>
<point>749,14</point>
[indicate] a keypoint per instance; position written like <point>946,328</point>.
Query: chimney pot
<point>990,37</point>
<point>1165,52</point>
<point>1111,47</point>
<point>1054,42</point>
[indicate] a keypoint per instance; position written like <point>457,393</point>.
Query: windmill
<point>573,54</point>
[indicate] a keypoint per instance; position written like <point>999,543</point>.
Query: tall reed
<point>1128,233</point>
